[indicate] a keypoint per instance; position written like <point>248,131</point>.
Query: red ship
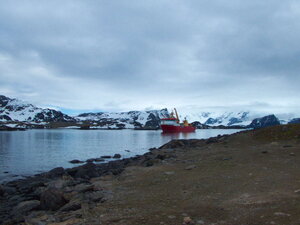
<point>173,125</point>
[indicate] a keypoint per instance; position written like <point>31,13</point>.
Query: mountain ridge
<point>132,119</point>
<point>14,110</point>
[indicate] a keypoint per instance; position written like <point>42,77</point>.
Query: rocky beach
<point>251,177</point>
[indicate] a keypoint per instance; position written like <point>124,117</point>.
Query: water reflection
<point>172,136</point>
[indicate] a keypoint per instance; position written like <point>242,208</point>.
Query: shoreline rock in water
<point>220,180</point>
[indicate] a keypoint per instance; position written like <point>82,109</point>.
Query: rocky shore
<point>61,193</point>
<point>251,177</point>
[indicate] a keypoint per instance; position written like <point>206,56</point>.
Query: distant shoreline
<point>3,127</point>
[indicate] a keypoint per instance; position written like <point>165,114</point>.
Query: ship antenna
<point>176,114</point>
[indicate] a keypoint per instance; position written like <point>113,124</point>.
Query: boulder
<point>161,156</point>
<point>149,163</point>
<point>83,187</point>
<point>211,140</point>
<point>75,161</point>
<point>90,160</point>
<point>87,171</point>
<point>106,157</point>
<point>117,171</point>
<point>96,196</point>
<point>99,160</point>
<point>34,221</point>
<point>56,172</point>
<point>30,185</point>
<point>60,183</point>
<point>1,191</point>
<point>26,206</point>
<point>8,190</point>
<point>17,198</point>
<point>187,221</point>
<point>71,206</point>
<point>52,199</point>
<point>117,156</point>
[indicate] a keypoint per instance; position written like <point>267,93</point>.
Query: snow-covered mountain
<point>295,120</point>
<point>266,121</point>
<point>14,110</point>
<point>132,119</point>
<point>232,118</point>
<point>242,118</point>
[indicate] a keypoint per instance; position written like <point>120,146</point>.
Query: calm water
<point>29,152</point>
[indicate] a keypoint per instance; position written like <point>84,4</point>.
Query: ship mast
<point>176,114</point>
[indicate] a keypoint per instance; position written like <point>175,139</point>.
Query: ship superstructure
<point>173,125</point>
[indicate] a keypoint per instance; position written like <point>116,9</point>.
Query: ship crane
<point>176,114</point>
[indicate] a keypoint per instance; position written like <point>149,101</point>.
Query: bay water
<point>25,153</point>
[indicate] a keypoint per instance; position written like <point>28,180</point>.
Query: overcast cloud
<point>132,55</point>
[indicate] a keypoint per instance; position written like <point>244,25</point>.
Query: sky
<point>122,55</point>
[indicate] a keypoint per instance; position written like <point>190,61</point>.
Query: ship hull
<point>177,129</point>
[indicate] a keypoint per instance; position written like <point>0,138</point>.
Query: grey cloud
<point>150,53</point>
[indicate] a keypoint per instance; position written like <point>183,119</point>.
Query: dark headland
<point>252,177</point>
